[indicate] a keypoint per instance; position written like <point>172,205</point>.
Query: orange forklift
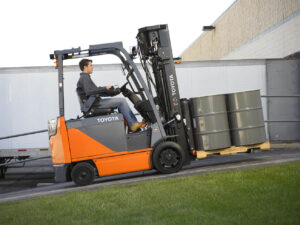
<point>99,143</point>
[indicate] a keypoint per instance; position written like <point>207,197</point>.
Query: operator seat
<point>88,106</point>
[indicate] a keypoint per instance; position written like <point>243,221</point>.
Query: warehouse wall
<point>242,23</point>
<point>273,43</point>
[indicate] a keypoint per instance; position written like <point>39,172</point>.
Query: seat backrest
<point>89,110</point>
<point>81,97</point>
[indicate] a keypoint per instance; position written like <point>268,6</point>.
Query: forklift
<point>98,143</point>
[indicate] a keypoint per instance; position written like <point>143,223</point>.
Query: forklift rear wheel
<point>168,157</point>
<point>83,173</point>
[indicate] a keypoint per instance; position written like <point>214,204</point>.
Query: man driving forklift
<point>86,87</point>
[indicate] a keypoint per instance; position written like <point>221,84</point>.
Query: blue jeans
<point>123,107</point>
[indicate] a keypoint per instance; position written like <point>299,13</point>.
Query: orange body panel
<point>83,146</point>
<point>107,161</point>
<point>59,144</point>
<point>124,163</point>
<point>72,145</point>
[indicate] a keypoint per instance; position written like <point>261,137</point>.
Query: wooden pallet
<point>233,150</point>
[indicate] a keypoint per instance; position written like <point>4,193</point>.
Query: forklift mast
<point>154,46</point>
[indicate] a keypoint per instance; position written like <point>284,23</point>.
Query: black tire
<point>83,174</point>
<point>2,172</point>
<point>168,157</point>
<point>2,168</point>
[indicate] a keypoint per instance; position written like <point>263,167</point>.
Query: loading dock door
<point>283,91</point>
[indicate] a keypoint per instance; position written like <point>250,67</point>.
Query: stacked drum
<point>210,123</point>
<point>246,118</point>
<point>220,121</point>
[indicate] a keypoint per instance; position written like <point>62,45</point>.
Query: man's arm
<point>90,88</point>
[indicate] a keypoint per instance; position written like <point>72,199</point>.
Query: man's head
<point>86,66</point>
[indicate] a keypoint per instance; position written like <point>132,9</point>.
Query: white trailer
<point>29,96</point>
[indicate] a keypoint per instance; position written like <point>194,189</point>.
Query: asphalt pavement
<point>36,178</point>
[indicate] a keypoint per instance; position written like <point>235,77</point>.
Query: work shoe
<point>137,126</point>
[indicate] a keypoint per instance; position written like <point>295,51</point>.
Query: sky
<point>33,29</point>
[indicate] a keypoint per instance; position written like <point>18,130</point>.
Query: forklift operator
<point>87,87</point>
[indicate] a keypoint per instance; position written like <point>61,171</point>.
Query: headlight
<point>52,127</point>
<point>178,117</point>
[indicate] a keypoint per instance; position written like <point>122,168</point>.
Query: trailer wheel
<point>168,157</point>
<point>2,168</point>
<point>83,173</point>
<point>2,172</point>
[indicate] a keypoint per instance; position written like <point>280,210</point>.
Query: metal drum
<point>246,120</point>
<point>210,122</point>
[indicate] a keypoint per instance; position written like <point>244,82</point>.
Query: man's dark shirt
<point>86,87</point>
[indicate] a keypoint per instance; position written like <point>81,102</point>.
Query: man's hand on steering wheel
<point>112,91</point>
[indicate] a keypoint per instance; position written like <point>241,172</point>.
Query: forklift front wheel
<point>83,173</point>
<point>168,157</point>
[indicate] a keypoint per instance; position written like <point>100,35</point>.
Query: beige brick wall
<point>277,42</point>
<point>245,20</point>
